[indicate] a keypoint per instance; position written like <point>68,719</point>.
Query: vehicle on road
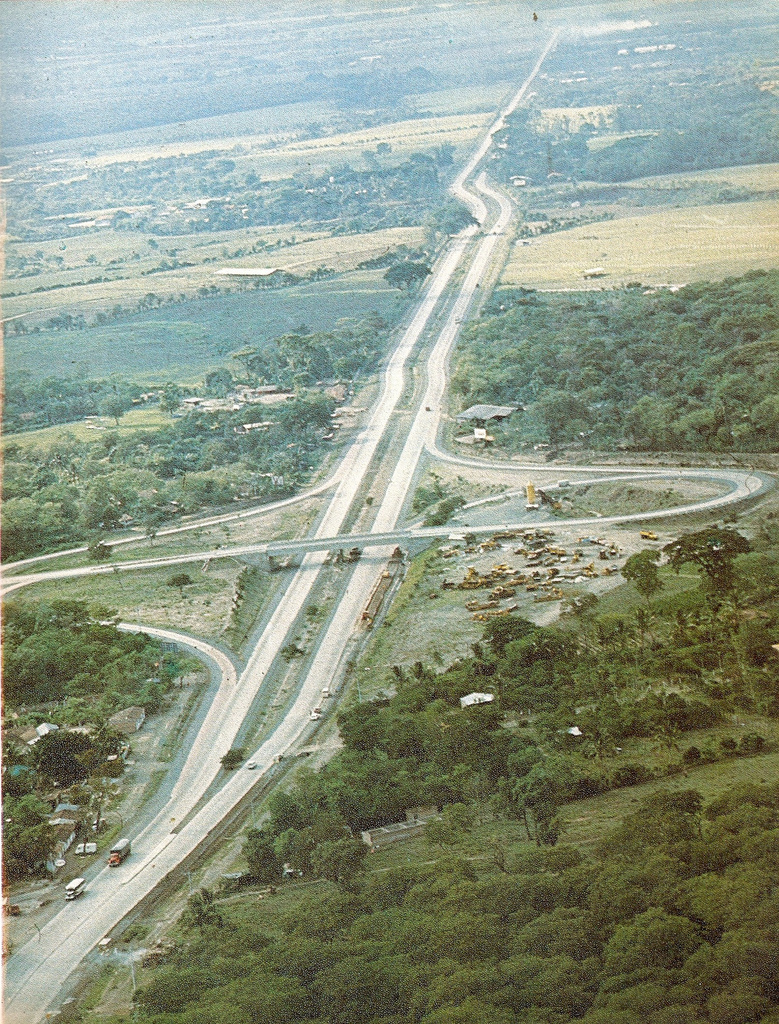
<point>251,765</point>
<point>119,851</point>
<point>74,888</point>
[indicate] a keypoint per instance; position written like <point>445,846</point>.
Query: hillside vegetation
<point>696,368</point>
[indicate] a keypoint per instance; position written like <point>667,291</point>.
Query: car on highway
<point>251,765</point>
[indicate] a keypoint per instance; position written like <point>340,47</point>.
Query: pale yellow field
<point>403,136</point>
<point>339,253</point>
<point>575,117</point>
<point>673,246</point>
<point>342,252</point>
<point>277,155</point>
<point>760,178</point>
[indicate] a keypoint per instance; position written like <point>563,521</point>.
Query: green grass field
<point>146,598</point>
<point>131,422</point>
<point>587,821</point>
<point>185,340</point>
<point>671,247</point>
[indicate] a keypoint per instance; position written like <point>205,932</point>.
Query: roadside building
<point>480,415</point>
<point>473,699</point>
<point>414,825</point>
<point>31,736</point>
<point>67,810</point>
<point>384,835</point>
<point>422,813</point>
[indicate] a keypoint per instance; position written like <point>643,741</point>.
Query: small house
<point>479,416</point>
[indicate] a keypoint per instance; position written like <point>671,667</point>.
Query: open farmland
<point>182,340</point>
<point>280,154</point>
<point>204,608</point>
<point>749,181</point>
<point>404,136</point>
<point>672,247</point>
<point>136,278</point>
<point>198,134</point>
<point>148,419</point>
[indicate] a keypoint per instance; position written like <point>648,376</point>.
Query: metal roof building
<point>487,412</point>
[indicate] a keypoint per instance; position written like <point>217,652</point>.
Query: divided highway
<point>36,973</point>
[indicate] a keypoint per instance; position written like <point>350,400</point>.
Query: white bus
<point>75,888</point>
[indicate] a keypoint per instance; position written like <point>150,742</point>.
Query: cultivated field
<point>410,136</point>
<point>671,247</point>
<point>279,154</point>
<point>133,277</point>
<point>91,430</point>
<point>148,599</point>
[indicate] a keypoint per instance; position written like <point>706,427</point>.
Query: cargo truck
<point>118,853</point>
<point>75,888</point>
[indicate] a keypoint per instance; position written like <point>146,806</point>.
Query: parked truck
<point>75,888</point>
<point>119,851</point>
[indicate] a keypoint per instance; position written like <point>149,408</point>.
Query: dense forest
<point>690,369</point>
<point>670,918</point>
<point>55,493</point>
<point>66,651</point>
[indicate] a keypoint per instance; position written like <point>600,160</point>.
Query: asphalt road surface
<point>37,973</point>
